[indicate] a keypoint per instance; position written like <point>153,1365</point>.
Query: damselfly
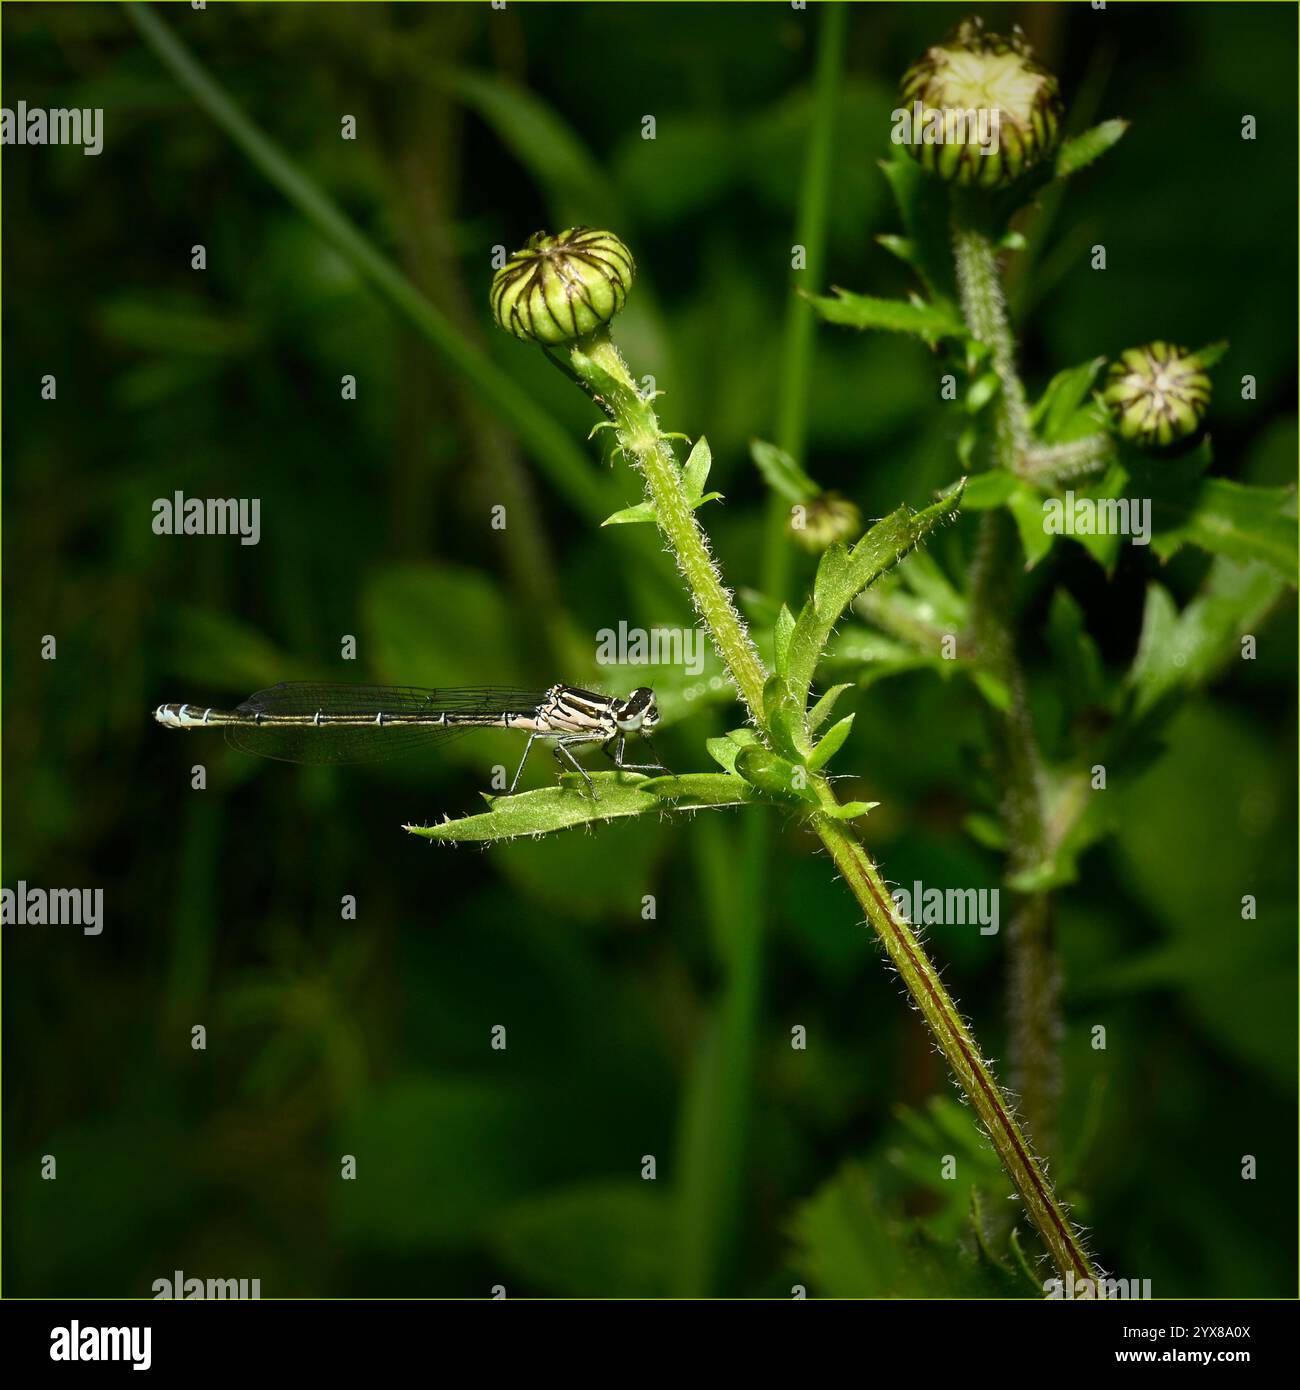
<point>302,722</point>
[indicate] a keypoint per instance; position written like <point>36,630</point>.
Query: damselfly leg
<point>519,771</point>
<point>564,752</point>
<point>616,753</point>
<point>613,748</point>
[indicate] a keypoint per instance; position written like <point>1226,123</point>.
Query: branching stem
<point>1034,977</point>
<point>598,362</point>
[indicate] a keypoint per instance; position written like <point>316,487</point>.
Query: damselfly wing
<point>306,722</point>
<point>310,722</point>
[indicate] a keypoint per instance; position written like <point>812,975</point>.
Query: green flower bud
<point>823,520</point>
<point>979,109</point>
<point>562,287</point>
<point>1156,393</point>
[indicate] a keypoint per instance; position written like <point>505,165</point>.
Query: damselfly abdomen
<point>303,722</point>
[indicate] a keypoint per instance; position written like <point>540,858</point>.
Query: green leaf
<point>931,322</point>
<point>1104,545</point>
<point>697,791</point>
<point>621,794</point>
<point>986,830</point>
<point>982,390</point>
<point>1226,518</point>
<point>1212,353</point>
<point>1080,151</point>
<point>1077,661</point>
<point>781,635</point>
<point>842,575</point>
<point>642,511</point>
<point>830,577</point>
<point>855,1237</point>
<point>695,473</point>
<point>723,750</point>
<point>993,689</point>
<point>1211,819</point>
<point>783,715</point>
<point>851,810</point>
<point>1026,506</point>
<point>991,489</point>
<point>781,473</point>
<point>1184,650</point>
<point>831,744</point>
<point>1057,408</point>
<point>902,247</point>
<point>773,775</point>
<point>821,711</point>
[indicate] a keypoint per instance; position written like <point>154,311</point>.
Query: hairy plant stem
<point>598,363</point>
<point>640,438</point>
<point>1034,976</point>
<point>984,307</point>
<point>962,1053</point>
<point>1062,463</point>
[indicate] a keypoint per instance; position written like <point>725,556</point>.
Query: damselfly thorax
<point>305,722</point>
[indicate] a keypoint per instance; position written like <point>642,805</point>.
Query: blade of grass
<point>799,333</point>
<point>565,464</point>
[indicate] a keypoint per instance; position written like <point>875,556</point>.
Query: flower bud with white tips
<point>1157,394</point>
<point>560,288</point>
<point>988,112</point>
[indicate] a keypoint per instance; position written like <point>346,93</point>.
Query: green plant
<point>1021,454</point>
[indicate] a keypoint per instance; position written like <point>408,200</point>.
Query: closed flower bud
<point>562,287</point>
<point>823,520</point>
<point>1157,393</point>
<point>979,110</point>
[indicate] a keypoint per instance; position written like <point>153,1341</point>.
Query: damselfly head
<point>638,713</point>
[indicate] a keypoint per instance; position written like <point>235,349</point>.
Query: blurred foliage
<point>330,1036</point>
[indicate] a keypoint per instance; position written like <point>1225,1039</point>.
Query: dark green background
<point>370,1037</point>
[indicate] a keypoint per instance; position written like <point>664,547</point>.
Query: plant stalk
<point>598,362</point>
<point>1034,975</point>
<point>960,1050</point>
<point>640,437</point>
